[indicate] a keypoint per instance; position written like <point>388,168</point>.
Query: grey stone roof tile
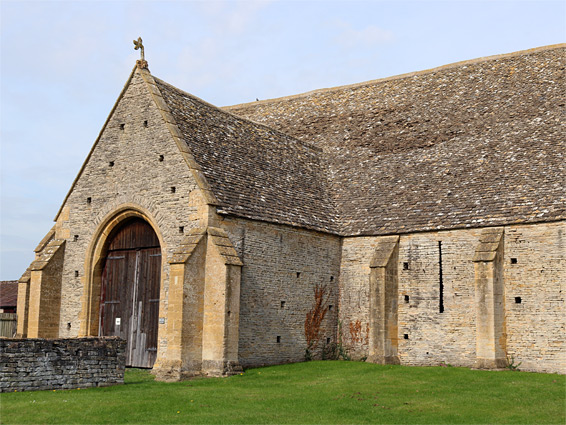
<point>253,170</point>
<point>475,144</point>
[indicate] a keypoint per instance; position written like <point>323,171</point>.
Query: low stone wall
<point>50,364</point>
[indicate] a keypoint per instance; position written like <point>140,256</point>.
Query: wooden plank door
<point>145,308</point>
<point>129,305</point>
<point>117,286</point>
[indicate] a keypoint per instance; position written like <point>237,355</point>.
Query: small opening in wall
<point>75,238</point>
<point>405,336</point>
<point>228,313</point>
<point>181,229</point>
<point>68,325</point>
<point>327,341</point>
<point>518,300</point>
<point>513,261</point>
<point>173,189</point>
<point>331,278</point>
<point>122,126</point>
<point>111,164</point>
<point>89,200</point>
<point>330,306</point>
<point>298,274</point>
<point>406,297</point>
<point>278,339</point>
<point>161,158</point>
<point>405,266</point>
<point>76,273</point>
<point>145,123</point>
<point>282,304</point>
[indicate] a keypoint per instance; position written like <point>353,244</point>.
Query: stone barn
<point>413,220</point>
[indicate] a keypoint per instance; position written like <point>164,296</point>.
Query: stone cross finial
<point>139,45</point>
<point>141,63</point>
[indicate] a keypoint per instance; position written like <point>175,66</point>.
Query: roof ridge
<point>239,117</point>
<point>443,150</point>
<point>399,76</point>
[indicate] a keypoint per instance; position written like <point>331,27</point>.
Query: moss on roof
<point>479,143</point>
<point>473,144</point>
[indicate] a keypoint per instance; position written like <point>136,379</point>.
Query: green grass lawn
<point>315,392</point>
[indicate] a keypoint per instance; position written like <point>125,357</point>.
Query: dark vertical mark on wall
<point>440,281</point>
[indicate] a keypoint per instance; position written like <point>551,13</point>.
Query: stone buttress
<point>203,316</point>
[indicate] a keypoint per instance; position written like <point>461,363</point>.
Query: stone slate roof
<point>478,143</point>
<point>254,171</point>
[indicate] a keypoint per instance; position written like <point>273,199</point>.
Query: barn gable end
<point>139,168</point>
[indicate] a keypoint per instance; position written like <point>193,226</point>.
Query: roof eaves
<point>229,212</point>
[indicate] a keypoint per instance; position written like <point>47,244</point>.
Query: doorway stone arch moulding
<point>95,255</point>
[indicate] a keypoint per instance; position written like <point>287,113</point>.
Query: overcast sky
<point>63,65</point>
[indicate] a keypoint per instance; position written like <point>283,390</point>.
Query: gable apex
<point>141,70</point>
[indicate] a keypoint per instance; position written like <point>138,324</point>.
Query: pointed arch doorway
<point>129,293</point>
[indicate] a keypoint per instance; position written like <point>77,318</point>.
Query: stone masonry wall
<point>48,364</point>
<point>535,272</point>
<point>434,337</point>
<point>534,269</point>
<point>137,162</point>
<point>282,265</point>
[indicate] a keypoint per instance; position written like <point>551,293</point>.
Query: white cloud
<point>371,35</point>
<point>233,17</point>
